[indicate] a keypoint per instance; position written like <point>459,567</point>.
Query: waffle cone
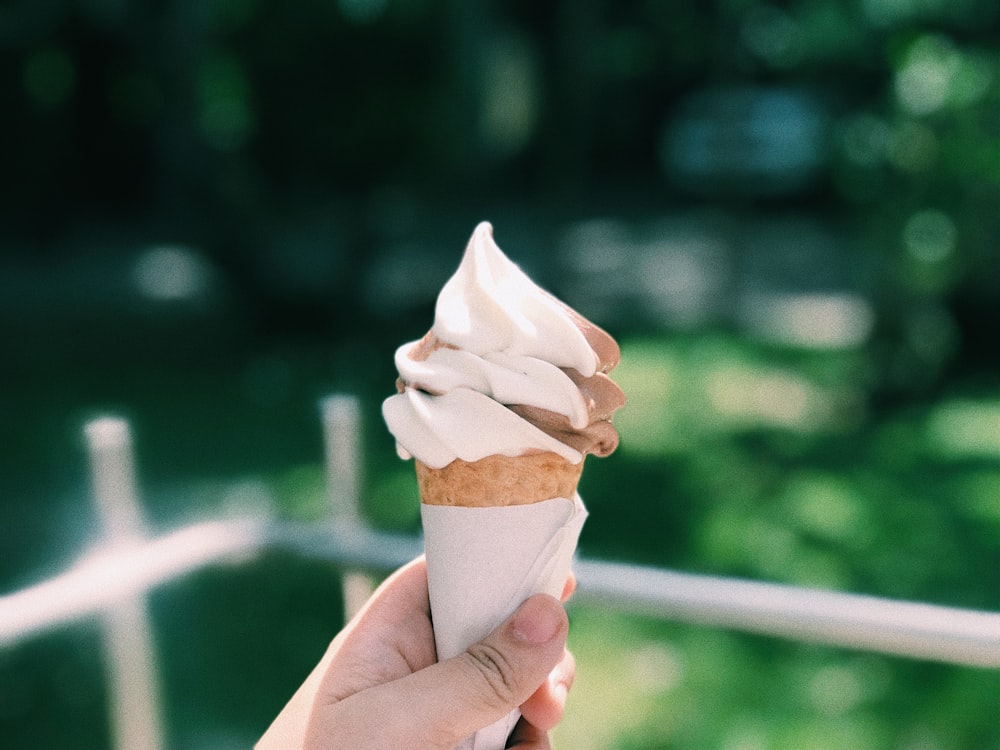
<point>499,481</point>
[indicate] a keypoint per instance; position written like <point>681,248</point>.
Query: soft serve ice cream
<point>499,404</point>
<point>507,370</point>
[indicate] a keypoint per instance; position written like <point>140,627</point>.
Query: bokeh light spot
<point>362,11</point>
<point>170,273</point>
<point>773,35</point>
<point>923,83</point>
<point>779,399</point>
<point>824,506</point>
<point>818,321</point>
<point>966,429</point>
<point>930,236</point>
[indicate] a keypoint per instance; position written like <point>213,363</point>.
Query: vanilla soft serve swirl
<point>507,369</point>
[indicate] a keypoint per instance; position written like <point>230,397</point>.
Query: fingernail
<point>537,620</point>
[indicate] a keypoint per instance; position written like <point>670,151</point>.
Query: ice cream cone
<point>496,531</point>
<point>505,369</point>
<point>499,481</point>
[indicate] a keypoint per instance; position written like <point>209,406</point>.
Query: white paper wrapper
<point>482,563</point>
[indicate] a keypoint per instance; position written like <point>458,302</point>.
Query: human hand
<point>379,687</point>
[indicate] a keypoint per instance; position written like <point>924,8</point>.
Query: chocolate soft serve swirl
<point>507,369</point>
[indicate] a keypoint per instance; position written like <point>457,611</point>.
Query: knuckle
<point>495,672</point>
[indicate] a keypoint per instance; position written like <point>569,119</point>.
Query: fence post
<point>341,415</point>
<point>133,687</point>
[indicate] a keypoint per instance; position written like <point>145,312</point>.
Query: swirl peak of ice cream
<point>506,369</point>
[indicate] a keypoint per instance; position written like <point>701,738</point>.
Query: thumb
<point>439,706</point>
<point>499,673</point>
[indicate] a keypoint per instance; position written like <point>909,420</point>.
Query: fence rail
<point>910,629</point>
<point>111,581</point>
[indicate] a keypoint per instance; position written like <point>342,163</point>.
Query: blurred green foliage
<point>214,213</point>
<point>838,498</point>
<point>656,685</point>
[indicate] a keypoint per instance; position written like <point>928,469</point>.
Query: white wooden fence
<point>111,581</point>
